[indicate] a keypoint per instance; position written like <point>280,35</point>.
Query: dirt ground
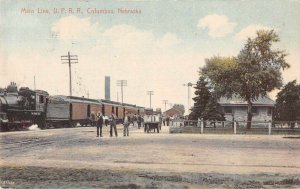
<point>76,158</point>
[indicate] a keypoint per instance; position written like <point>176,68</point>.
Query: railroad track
<point>23,141</point>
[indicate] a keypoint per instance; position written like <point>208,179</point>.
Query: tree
<point>253,73</point>
<point>222,75</point>
<point>202,97</point>
<point>179,107</point>
<point>206,106</point>
<point>213,111</point>
<point>287,106</point>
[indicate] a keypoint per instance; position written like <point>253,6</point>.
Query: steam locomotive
<point>22,108</point>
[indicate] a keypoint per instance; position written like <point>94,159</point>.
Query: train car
<point>64,111</point>
<point>109,107</point>
<point>22,108</point>
<point>120,113</point>
<point>119,109</point>
<point>131,109</point>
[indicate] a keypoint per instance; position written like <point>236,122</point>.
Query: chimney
<point>107,88</point>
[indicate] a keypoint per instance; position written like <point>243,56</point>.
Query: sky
<point>154,45</point>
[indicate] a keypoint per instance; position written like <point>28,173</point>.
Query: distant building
<point>236,108</point>
<point>175,111</point>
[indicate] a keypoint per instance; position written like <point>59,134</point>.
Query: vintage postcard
<point>150,94</point>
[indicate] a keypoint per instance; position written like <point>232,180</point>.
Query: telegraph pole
<point>69,59</point>
<point>122,83</point>
<point>165,103</point>
<point>150,93</point>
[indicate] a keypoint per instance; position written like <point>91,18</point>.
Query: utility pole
<point>150,93</point>
<point>122,83</point>
<point>34,83</point>
<point>69,59</point>
<point>189,84</point>
<point>165,103</point>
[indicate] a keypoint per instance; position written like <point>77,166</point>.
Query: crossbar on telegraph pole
<point>69,59</point>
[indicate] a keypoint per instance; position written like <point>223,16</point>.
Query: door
<point>88,110</point>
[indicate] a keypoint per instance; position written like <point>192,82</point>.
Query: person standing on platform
<point>99,124</point>
<point>113,125</point>
<point>168,120</point>
<point>160,121</point>
<point>126,125</point>
<point>139,121</point>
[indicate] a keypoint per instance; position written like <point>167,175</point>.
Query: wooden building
<point>174,112</point>
<point>236,108</point>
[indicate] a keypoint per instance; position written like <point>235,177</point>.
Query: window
<point>254,110</point>
<point>41,99</point>
<point>228,110</point>
<point>269,111</point>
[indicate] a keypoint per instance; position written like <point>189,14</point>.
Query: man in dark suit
<point>139,121</point>
<point>113,125</point>
<point>99,124</point>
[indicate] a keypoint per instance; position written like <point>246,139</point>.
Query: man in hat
<point>99,124</point>
<point>113,125</point>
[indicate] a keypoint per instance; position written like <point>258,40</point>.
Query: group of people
<point>98,120</point>
<point>136,119</point>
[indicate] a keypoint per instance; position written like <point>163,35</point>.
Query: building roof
<point>236,101</point>
<point>70,99</point>
<point>174,109</point>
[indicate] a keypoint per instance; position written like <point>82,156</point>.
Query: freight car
<point>68,111</point>
<point>133,109</point>
<point>109,107</point>
<point>22,108</point>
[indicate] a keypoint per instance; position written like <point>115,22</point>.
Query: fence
<point>234,127</point>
